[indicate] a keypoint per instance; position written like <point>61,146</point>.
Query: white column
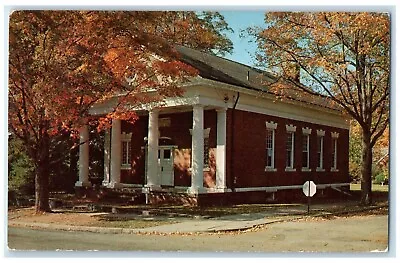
<point>83,157</point>
<point>107,157</point>
<point>221,149</point>
<point>116,152</point>
<point>152,151</point>
<point>197,149</point>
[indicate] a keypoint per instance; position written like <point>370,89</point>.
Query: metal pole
<point>309,199</point>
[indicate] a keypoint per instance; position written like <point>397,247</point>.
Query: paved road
<point>354,234</point>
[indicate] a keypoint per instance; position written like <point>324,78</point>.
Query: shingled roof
<point>227,71</point>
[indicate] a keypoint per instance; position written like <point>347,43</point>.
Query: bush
<point>379,178</point>
<point>21,175</point>
<point>380,175</point>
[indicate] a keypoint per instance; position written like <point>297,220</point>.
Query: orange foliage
<point>63,62</point>
<point>343,56</point>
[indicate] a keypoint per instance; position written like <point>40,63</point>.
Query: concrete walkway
<point>185,227</point>
<point>209,225</point>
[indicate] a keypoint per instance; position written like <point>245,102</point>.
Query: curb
<point>117,230</point>
<point>105,230</point>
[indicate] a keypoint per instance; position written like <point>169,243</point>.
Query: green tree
<point>20,167</point>
<point>355,152</point>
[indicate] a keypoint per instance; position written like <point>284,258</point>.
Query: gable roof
<point>234,73</point>
<point>224,70</point>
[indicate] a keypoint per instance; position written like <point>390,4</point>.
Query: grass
<point>375,187</point>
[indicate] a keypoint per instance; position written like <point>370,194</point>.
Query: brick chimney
<point>295,75</point>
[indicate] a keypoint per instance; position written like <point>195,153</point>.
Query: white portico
<point>159,159</point>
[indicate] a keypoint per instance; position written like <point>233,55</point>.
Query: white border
<point>308,5</point>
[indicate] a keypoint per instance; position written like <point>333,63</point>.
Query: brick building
<point>227,140</point>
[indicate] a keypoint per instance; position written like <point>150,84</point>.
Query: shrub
<point>20,168</point>
<point>380,178</point>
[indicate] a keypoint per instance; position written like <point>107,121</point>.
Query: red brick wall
<point>249,152</point>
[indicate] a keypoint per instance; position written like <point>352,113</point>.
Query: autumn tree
<point>344,56</point>
<point>380,157</point>
<point>63,62</point>
<point>204,31</point>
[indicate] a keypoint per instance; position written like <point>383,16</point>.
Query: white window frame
<point>290,129</point>
<point>126,142</point>
<point>271,126</point>
<point>320,138</point>
<point>306,132</point>
<point>206,161</point>
<point>335,136</point>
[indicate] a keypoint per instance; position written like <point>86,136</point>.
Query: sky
<point>244,50</point>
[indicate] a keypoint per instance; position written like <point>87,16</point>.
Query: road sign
<point>309,188</point>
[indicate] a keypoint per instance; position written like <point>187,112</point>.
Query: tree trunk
<point>366,170</point>
<point>42,189</point>
<point>42,176</point>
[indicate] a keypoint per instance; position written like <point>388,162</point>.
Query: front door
<point>166,165</point>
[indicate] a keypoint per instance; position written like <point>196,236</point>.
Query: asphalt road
<point>353,234</point>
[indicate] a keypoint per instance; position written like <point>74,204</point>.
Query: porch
<point>160,154</point>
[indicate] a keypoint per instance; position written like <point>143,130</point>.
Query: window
<point>167,154</point>
<point>126,150</point>
<point>305,158</point>
<point>335,136</point>
<point>320,150</point>
<point>206,148</point>
<point>289,150</point>
<point>290,131</point>
<point>126,153</point>
<point>270,146</point>
<point>270,149</point>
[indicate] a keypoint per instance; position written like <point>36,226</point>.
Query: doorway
<point>166,164</point>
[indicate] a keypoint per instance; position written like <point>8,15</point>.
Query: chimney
<point>295,75</point>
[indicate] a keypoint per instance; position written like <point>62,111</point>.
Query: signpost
<point>309,190</point>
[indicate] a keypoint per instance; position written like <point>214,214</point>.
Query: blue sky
<point>238,20</point>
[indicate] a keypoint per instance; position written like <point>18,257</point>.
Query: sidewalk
<point>188,226</point>
<point>193,225</point>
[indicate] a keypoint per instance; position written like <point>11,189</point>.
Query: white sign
<point>309,188</point>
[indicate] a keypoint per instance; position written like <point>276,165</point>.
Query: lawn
<point>375,187</point>
<point>85,219</point>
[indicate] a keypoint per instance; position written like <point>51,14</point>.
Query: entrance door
<point>166,165</point>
